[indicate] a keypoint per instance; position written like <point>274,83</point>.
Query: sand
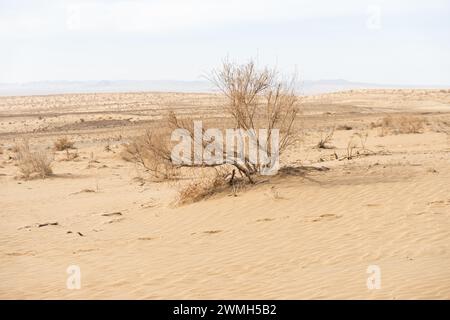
<point>309,232</point>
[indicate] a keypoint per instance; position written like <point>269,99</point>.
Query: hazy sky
<point>390,42</point>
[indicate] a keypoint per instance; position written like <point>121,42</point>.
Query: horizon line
<point>330,80</point>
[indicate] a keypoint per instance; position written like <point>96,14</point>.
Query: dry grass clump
<point>63,143</point>
<point>201,189</point>
<point>33,164</point>
<point>325,139</point>
<point>401,125</point>
<point>205,186</point>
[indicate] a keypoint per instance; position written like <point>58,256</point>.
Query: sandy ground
<point>303,234</point>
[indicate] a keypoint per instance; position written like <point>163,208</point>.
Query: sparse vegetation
<point>201,188</point>
<point>393,124</point>
<point>441,126</point>
<point>352,145</point>
<point>355,149</point>
<point>33,164</point>
<point>152,152</point>
<point>362,135</point>
<point>92,160</point>
<point>325,138</point>
<point>63,143</point>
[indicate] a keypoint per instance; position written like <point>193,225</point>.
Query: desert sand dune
<point>309,232</point>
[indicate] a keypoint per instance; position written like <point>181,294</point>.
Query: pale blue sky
<point>387,42</point>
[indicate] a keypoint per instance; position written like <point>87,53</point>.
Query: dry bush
<point>401,124</point>
<point>63,143</point>
<point>255,99</point>
<point>152,152</point>
<point>258,98</point>
<point>33,164</point>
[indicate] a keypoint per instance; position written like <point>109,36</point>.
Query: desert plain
<point>377,192</point>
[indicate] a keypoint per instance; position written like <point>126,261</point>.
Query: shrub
<point>254,99</point>
<point>63,143</point>
<point>258,98</point>
<point>152,152</point>
<point>401,124</point>
<point>33,164</point>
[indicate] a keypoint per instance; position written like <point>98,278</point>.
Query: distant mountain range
<point>59,87</point>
